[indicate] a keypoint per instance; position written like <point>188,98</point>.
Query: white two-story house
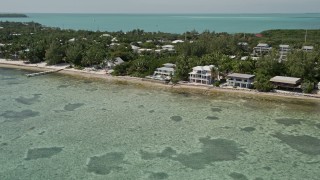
<point>201,75</point>
<point>165,72</point>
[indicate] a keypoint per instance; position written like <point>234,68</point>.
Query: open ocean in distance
<point>176,23</point>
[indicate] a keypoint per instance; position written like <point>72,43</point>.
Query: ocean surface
<point>62,127</point>
<point>176,23</point>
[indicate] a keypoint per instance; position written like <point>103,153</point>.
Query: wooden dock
<point>43,73</point>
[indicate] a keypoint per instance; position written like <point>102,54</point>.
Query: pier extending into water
<point>43,73</point>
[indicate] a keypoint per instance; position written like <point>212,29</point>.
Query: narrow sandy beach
<point>145,83</point>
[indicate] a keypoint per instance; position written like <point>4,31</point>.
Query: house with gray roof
<point>240,80</point>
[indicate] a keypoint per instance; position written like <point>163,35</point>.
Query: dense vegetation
<point>12,15</point>
<point>36,43</point>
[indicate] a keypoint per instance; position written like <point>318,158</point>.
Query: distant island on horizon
<point>13,15</point>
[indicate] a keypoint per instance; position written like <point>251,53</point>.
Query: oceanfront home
<point>286,82</point>
<point>201,75</point>
<point>165,72</point>
<point>283,51</point>
<point>112,63</point>
<point>240,80</point>
<point>135,49</point>
<point>177,41</point>
<point>307,48</point>
<point>243,44</point>
<point>168,47</point>
<point>261,49</point>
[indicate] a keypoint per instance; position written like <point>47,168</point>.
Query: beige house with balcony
<point>261,49</point>
<point>283,51</point>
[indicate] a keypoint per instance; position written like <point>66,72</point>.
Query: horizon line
<point>156,13</point>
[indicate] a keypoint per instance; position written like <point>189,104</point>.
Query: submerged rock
<point>63,86</point>
<point>248,129</point>
<point>176,118</point>
<point>304,144</point>
<point>28,101</point>
<point>215,109</point>
<point>72,107</point>
<point>159,175</point>
<point>92,89</point>
<point>15,115</point>
<point>104,164</point>
<point>87,81</point>
<point>212,118</point>
<point>289,121</point>
<point>42,152</point>
<point>238,176</point>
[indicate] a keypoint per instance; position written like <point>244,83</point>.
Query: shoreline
<point>146,83</point>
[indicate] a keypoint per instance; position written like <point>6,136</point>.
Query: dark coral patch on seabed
<point>104,164</point>
<point>28,101</point>
<point>15,115</point>
<point>238,176</point>
<point>72,107</point>
<point>213,150</point>
<point>176,118</point>
<point>304,144</point>
<point>215,109</point>
<point>248,129</point>
<point>289,121</point>
<point>212,118</point>
<point>38,153</point>
<point>158,176</point>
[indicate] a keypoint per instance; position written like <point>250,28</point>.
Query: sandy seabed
<point>92,126</point>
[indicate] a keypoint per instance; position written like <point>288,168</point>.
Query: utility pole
<point>305,36</point>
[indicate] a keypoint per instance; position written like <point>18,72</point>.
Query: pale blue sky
<point>161,6</point>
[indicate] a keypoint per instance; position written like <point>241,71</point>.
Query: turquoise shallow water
<point>60,127</point>
<point>176,23</point>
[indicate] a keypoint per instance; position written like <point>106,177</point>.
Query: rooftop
<point>203,68</point>
<point>169,65</point>
<point>168,46</point>
<point>165,69</point>
<point>284,46</point>
<point>284,79</point>
<point>262,45</point>
<point>238,75</point>
<point>307,47</point>
<point>242,43</point>
<point>177,41</point>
